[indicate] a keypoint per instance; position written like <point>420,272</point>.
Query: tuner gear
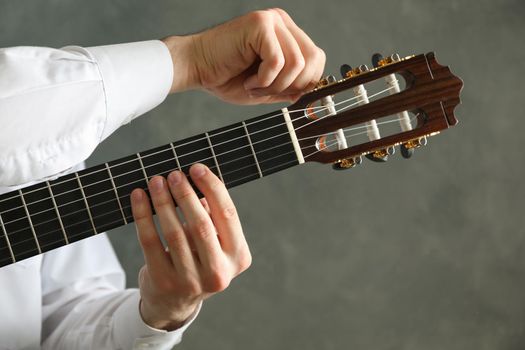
<point>347,163</point>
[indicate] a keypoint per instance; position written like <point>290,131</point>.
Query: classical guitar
<point>338,122</point>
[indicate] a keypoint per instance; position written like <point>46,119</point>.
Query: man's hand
<point>205,249</point>
<point>261,57</point>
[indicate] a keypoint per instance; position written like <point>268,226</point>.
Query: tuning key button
<point>345,68</point>
<point>406,152</point>
<point>376,58</point>
<point>381,155</point>
<point>347,163</point>
<point>407,148</point>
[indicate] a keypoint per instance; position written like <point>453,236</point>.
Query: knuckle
<point>244,261</point>
<point>279,11</point>
<point>174,238</point>
<point>193,287</point>
<point>217,281</point>
<point>297,62</point>
<point>202,229</point>
<point>148,239</point>
<point>183,194</point>
<point>229,212</point>
<point>215,184</point>
<point>160,200</point>
<point>276,62</point>
<point>260,17</point>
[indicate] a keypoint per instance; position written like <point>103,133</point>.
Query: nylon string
<point>234,181</point>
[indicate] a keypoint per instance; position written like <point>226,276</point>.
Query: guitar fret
<point>142,167</point>
<point>214,156</point>
<point>57,212</point>
<point>79,205</point>
<point>30,222</point>
<point>176,157</point>
<point>86,203</point>
<point>7,239</point>
<point>253,150</point>
<point>116,194</point>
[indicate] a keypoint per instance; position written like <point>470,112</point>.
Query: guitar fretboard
<point>51,214</point>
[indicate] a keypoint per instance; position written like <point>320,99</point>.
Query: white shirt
<point>56,106</point>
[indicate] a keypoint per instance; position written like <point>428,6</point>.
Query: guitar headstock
<point>415,99</point>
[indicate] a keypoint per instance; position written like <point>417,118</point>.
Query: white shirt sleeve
<point>56,106</point>
<point>85,306</point>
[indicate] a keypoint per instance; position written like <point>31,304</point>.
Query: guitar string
<point>179,157</point>
<point>219,133</point>
<point>120,220</point>
<point>128,206</point>
<point>169,170</point>
<point>237,180</point>
<point>225,131</point>
<point>61,241</point>
<point>99,216</point>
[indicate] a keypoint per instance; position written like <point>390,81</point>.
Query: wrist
<point>168,322</point>
<point>183,55</point>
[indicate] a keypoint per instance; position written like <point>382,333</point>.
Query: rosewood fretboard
<point>54,213</point>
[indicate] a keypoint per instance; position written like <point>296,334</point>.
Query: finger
<point>222,209</point>
<point>293,66</point>
<point>314,57</point>
<point>206,206</point>
<point>272,61</point>
<point>171,226</point>
<point>200,226</point>
<point>156,259</point>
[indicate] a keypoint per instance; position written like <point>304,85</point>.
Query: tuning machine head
<point>379,61</point>
<point>381,155</point>
<point>347,163</point>
<point>407,148</point>
<point>325,81</point>
<point>355,71</point>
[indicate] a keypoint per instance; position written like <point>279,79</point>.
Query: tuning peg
<point>347,163</point>
<point>325,81</point>
<point>345,68</point>
<point>376,58</point>
<point>406,152</point>
<point>407,148</point>
<point>381,155</point>
<point>379,61</point>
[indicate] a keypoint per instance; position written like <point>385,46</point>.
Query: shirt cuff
<point>136,77</point>
<point>131,332</point>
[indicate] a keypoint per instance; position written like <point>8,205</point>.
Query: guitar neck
<point>51,214</point>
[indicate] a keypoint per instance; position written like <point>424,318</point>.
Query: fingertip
<point>198,170</point>
<point>137,195</point>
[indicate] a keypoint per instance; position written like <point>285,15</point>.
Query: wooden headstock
<point>431,93</point>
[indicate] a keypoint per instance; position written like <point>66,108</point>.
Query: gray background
<point>419,254</point>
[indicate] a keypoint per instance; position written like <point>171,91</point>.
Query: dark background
<point>420,254</point>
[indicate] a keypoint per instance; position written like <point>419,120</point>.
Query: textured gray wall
<point>420,254</point>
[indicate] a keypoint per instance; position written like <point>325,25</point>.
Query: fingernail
<point>156,184</point>
<point>198,170</point>
<point>175,177</point>
<point>137,195</point>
